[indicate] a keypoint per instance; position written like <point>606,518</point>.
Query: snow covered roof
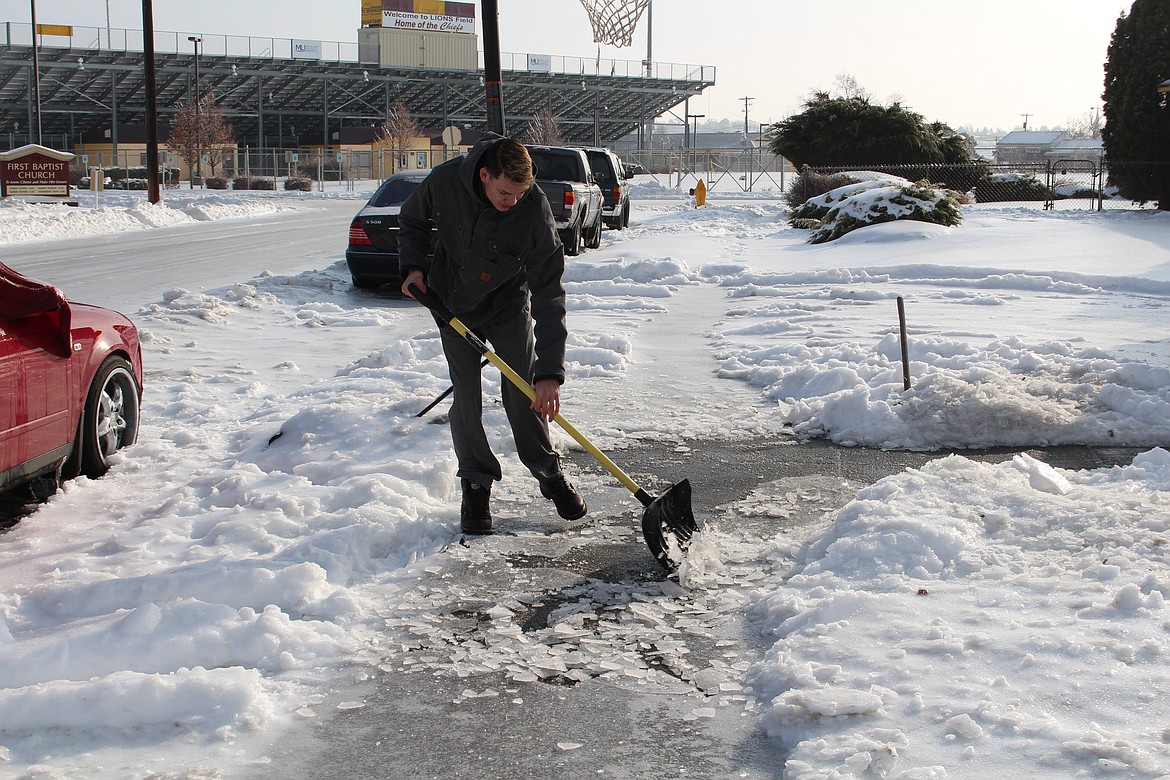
<point>27,149</point>
<point>1031,138</point>
<point>1079,143</point>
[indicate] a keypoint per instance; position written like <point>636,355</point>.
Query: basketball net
<point>614,20</point>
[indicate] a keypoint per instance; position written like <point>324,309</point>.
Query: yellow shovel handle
<point>560,420</point>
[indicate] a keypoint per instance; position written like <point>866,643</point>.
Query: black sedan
<point>372,254</point>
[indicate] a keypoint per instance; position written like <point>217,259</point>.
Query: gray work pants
<point>513,342</point>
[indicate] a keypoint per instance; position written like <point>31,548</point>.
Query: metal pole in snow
<point>905,344</point>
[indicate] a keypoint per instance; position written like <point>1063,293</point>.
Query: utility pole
<point>492,78</point>
<point>195,41</point>
<point>152,176</point>
<point>1025,116</point>
<point>746,103</point>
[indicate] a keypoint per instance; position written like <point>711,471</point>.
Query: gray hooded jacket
<point>488,263</point>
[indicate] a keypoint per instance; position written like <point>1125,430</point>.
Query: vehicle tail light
<point>570,198</point>
<point>617,192</point>
<point>357,234</point>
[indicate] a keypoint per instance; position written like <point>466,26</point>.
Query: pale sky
<point>980,64</point>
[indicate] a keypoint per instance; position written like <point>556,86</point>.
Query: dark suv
<point>611,176</point>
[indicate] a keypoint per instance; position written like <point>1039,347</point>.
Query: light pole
<point>36,70</point>
<point>649,62</point>
<point>195,41</point>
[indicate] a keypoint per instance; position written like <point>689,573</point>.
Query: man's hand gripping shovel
<point>667,521</point>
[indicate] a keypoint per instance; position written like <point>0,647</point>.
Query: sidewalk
<point>563,652</point>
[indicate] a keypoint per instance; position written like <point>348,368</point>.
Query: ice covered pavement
<point>554,649</point>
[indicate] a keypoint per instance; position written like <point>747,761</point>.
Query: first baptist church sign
<point>34,170</point>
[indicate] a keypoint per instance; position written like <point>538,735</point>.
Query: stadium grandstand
<point>73,88</point>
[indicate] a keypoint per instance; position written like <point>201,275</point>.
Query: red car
<point>70,383</point>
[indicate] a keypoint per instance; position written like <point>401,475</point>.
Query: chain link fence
<point>1055,185</point>
<point>260,169</point>
<point>747,169</point>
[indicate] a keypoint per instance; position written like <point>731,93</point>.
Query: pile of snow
<point>284,510</point>
<point>979,620</point>
<point>874,201</point>
<point>21,221</point>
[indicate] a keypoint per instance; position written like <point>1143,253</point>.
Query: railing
<point>98,39</point>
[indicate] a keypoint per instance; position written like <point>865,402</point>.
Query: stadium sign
<point>306,50</point>
<point>421,15</point>
<point>427,22</point>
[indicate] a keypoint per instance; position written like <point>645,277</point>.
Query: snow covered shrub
<point>298,183</point>
<point>1068,188</point>
<point>263,184</point>
<point>847,208</point>
<point>216,183</point>
<point>240,183</point>
<point>1001,187</point>
<point>809,184</point>
<point>86,182</point>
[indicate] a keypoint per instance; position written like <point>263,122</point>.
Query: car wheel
<point>109,421</point>
<point>362,283</point>
<point>624,222</point>
<point>573,244</point>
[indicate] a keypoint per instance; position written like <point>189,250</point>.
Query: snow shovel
<point>667,521</point>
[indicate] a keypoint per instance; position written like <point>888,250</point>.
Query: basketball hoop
<point>614,20</point>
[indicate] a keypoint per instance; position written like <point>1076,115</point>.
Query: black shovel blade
<point>668,524</point>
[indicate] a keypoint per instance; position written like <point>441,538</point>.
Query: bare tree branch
<point>544,129</point>
<point>398,133</point>
<point>199,130</point>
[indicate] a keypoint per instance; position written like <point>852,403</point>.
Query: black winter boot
<point>475,514</point>
<point>561,492</point>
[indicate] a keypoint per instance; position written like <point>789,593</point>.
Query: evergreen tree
<point>840,131</point>
<point>1137,117</point>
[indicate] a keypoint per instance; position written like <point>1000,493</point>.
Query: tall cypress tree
<point>1137,117</point>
